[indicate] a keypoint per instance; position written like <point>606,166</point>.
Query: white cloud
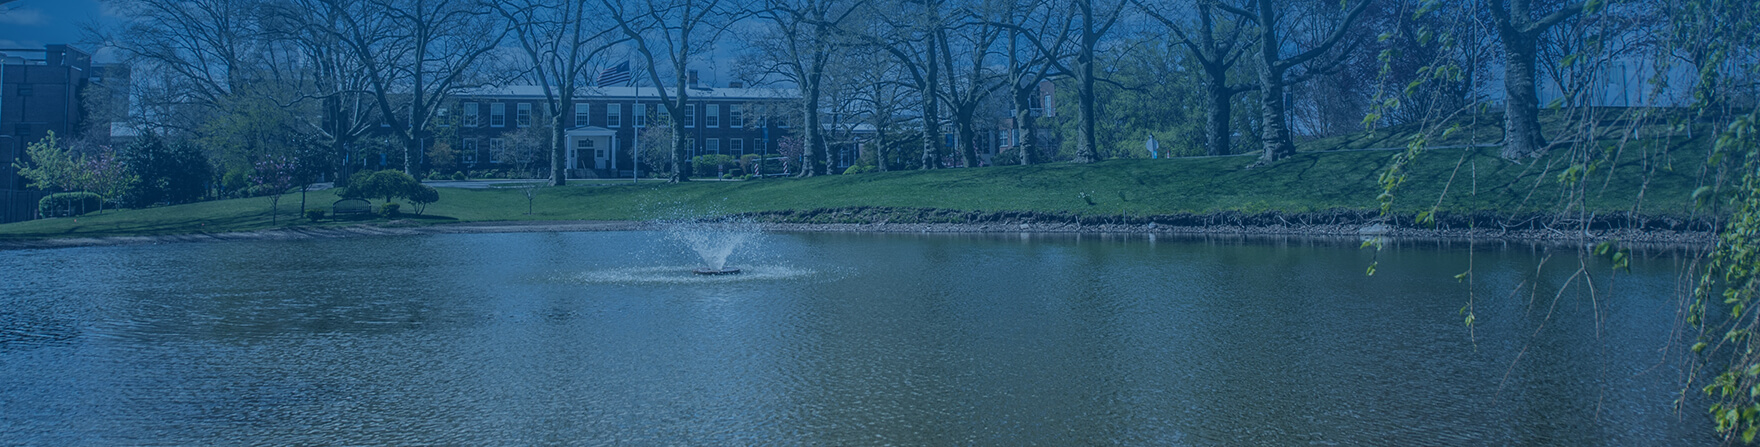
<point>22,16</point>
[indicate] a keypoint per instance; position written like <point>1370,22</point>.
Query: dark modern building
<point>40,92</point>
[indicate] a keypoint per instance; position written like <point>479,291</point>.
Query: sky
<point>34,23</point>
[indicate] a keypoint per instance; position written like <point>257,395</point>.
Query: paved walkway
<point>483,184</point>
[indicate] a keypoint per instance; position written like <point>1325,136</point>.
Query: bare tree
<point>1520,33</point>
<point>1270,16</point>
<point>189,56</point>
<point>330,76</point>
<point>881,97</point>
<point>1216,44</point>
<point>560,40</point>
<point>968,83</point>
<point>415,54</point>
<point>1028,65</point>
<point>1089,23</point>
<point>673,32</point>
<point>808,38</point>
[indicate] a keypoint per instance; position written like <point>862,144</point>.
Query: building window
<point>497,115</point>
<point>583,115</point>
<point>641,114</point>
<point>712,116</point>
<point>470,151</point>
<point>613,115</point>
<point>523,114</point>
<point>442,115</point>
<point>690,115</point>
<point>758,146</point>
<point>665,115</point>
<point>782,121</point>
<point>735,117</point>
<point>470,115</point>
<point>494,150</point>
<point>714,145</point>
<point>763,121</point>
<point>736,146</point>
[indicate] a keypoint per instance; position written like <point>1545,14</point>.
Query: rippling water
<point>600,338</point>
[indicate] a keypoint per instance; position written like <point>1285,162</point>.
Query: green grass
<point>1314,180</point>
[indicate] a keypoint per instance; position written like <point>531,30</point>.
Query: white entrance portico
<point>591,151</point>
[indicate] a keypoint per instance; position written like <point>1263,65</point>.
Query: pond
<point>842,339</point>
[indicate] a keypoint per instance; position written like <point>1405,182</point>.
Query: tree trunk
<point>1086,152</point>
<point>1522,137</point>
<point>931,121</point>
<point>681,160</point>
<point>559,144</point>
<point>1023,124</point>
<point>1217,134</point>
<point>880,148</point>
<point>965,135</point>
<point>1276,133</point>
<point>812,143</point>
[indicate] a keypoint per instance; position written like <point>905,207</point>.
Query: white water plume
<point>714,242</point>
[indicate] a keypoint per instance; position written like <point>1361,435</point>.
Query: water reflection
<point>602,338</point>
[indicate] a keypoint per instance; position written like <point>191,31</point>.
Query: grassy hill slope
<point>1646,180</point>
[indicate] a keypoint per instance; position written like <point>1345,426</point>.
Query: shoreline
<point>1631,236</point>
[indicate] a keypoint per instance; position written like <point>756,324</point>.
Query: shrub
<point>168,173</point>
<point>315,214</point>
<point>710,165</point>
<point>387,184</point>
<point>69,204</point>
<point>858,169</point>
<point>389,209</point>
<point>458,176</point>
<point>735,173</point>
<point>236,182</point>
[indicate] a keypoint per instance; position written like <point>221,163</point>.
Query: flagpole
<point>635,143</point>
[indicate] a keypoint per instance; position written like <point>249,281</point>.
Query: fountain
<point>713,242</point>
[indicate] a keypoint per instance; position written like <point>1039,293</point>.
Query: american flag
<point>613,76</point>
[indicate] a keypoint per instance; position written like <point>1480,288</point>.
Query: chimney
<point>692,78</point>
<point>736,84</point>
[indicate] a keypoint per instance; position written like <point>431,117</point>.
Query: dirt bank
<point>1341,223</point>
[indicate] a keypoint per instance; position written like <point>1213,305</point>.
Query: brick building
<point>1043,105</point>
<point>604,125</point>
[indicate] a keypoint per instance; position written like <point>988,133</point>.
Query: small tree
<point>274,176</point>
<point>50,165</point>
<point>655,146</point>
<point>423,195</point>
<point>792,150</point>
<point>107,176</point>
<point>531,193</point>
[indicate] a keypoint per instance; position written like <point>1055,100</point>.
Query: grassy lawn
<point>1309,181</point>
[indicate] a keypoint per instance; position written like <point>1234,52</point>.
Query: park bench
<point>351,206</point>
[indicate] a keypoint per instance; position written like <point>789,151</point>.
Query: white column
<point>568,154</point>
